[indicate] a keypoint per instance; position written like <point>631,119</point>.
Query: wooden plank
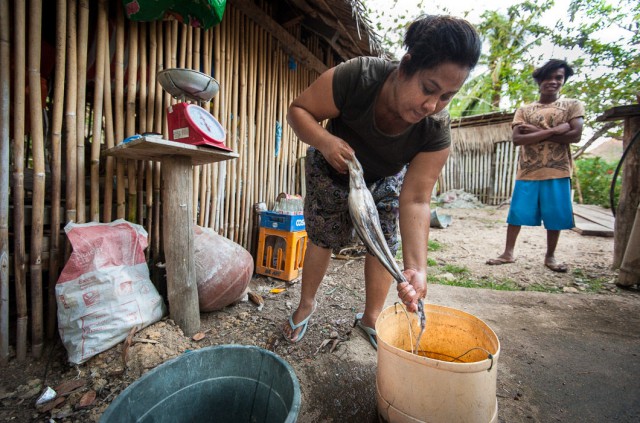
<point>620,112</point>
<point>594,216</point>
<point>588,228</point>
<point>597,209</point>
<point>157,149</point>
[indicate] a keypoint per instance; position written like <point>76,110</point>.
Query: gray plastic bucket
<point>226,383</point>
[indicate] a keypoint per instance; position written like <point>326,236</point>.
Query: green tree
<point>508,59</point>
<point>605,38</point>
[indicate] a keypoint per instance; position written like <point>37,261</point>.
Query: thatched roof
<point>341,23</point>
<point>478,133</point>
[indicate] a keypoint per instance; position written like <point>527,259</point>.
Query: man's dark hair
<point>551,66</point>
<point>435,39</point>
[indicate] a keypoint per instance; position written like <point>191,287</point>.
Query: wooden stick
<point>37,134</point>
<point>5,58</point>
<point>98,103</point>
<point>130,120</point>
<point>19,250</point>
<point>81,106</point>
<point>56,166</point>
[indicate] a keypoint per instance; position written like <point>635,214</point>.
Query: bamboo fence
<point>104,90</point>
<point>482,162</point>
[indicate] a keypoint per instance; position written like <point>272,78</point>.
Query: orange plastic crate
<point>280,253</point>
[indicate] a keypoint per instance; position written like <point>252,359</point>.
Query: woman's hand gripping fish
<point>366,221</point>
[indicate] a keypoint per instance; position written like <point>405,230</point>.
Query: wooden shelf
<point>158,149</point>
<point>620,112</point>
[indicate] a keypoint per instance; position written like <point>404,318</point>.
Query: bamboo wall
<point>57,171</point>
<point>487,173</point>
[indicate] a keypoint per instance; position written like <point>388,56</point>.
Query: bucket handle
<point>403,308</point>
<point>489,355</point>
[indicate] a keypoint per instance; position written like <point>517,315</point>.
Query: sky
<point>475,9</point>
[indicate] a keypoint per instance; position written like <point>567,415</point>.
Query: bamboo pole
<point>198,34</point>
<point>217,66</point>
<point>189,44</point>
<point>119,111</point>
<point>182,60</point>
<point>231,181</point>
<point>151,127</point>
<point>109,135</point>
<point>81,106</point>
<point>19,249</point>
<point>142,120</point>
<point>201,194</point>
<point>152,70</point>
<point>70,114</point>
<point>98,103</point>
<point>56,167</point>
<point>159,122</point>
<point>158,117</point>
<point>247,198</point>
<point>5,57</point>
<point>174,44</point>
<point>130,119</point>
<point>37,135</point>
<point>241,172</point>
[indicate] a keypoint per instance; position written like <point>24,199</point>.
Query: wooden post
<point>630,192</point>
<point>178,160</point>
<point>178,245</point>
<point>5,50</point>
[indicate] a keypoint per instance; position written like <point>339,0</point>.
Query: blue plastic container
<point>226,383</point>
<point>282,222</point>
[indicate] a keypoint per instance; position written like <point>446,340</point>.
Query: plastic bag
<point>104,289</point>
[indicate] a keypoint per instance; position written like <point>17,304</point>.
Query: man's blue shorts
<point>547,201</point>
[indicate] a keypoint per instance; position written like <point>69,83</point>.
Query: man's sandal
<point>370,332</point>
<point>302,324</point>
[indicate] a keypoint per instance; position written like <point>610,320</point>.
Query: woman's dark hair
<point>435,39</point>
<point>548,68</point>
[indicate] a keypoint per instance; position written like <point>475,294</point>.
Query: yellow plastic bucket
<point>451,379</point>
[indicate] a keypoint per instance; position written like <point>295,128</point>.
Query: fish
<point>366,222</point>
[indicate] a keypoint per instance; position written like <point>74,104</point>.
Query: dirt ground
<point>569,342</point>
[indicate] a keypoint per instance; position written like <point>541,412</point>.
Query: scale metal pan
<point>188,84</point>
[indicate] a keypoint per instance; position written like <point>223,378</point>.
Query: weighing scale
<point>190,123</point>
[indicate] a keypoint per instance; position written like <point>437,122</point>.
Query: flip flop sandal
<point>498,261</point>
<point>557,267</point>
<point>302,324</point>
<point>370,332</point>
